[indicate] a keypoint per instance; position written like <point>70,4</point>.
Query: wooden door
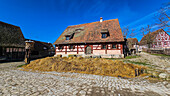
<point>88,50</point>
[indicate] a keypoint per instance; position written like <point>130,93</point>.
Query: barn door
<point>88,50</point>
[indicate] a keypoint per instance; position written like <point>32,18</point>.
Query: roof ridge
<point>9,24</point>
<point>92,22</point>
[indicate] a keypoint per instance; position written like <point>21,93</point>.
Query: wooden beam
<point>77,49</point>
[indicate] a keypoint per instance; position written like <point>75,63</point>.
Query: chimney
<point>101,19</point>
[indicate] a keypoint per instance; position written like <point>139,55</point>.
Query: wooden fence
<point>165,51</point>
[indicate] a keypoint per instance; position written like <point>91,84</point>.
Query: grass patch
<point>114,58</point>
<point>130,57</point>
<point>134,62</point>
<point>127,57</point>
<point>161,55</point>
<point>20,65</point>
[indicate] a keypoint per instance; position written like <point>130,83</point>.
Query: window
<point>103,46</point>
<point>71,47</point>
<point>113,46</point>
<point>165,43</point>
<point>67,38</point>
<point>60,47</point>
<point>44,48</point>
<point>160,43</point>
<point>104,35</point>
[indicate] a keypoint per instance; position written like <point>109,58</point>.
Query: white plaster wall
<point>112,52</point>
<point>98,52</point>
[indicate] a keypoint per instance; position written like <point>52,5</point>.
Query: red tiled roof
<point>91,33</point>
<point>150,38</point>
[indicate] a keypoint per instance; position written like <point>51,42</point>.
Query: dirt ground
<point>158,62</point>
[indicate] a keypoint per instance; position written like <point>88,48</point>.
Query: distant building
<point>12,42</point>
<point>102,38</point>
<point>156,39</point>
<point>133,45</point>
<point>41,49</point>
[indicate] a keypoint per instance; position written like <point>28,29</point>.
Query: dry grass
<point>95,66</point>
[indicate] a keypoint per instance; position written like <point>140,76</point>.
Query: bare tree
<point>128,32</point>
<point>163,18</point>
<point>132,33</point>
<point>148,38</point>
<point>125,31</point>
<point>142,30</point>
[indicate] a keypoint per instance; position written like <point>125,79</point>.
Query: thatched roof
<point>91,33</point>
<point>11,35</point>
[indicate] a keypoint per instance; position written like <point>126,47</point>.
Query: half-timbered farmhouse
<point>102,38</point>
<point>12,42</point>
<point>156,39</point>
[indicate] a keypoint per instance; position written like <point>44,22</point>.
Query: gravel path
<point>160,62</point>
<point>14,82</point>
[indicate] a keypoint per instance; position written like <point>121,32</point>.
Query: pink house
<point>101,38</point>
<point>157,39</point>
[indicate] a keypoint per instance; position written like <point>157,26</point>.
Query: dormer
<point>69,36</point>
<point>105,33</point>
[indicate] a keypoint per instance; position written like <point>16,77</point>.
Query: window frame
<point>104,35</point>
<point>67,37</point>
<point>60,47</point>
<point>165,43</point>
<point>71,46</point>
<point>104,45</point>
<point>114,45</point>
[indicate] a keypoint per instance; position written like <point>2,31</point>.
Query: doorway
<point>88,50</point>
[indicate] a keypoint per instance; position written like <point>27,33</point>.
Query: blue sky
<point>45,20</point>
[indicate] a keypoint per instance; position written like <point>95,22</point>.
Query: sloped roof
<point>11,35</point>
<point>132,40</point>
<point>152,36</point>
<point>45,44</point>
<point>91,33</point>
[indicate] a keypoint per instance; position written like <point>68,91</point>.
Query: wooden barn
<point>12,42</point>
<point>156,39</point>
<point>102,38</point>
